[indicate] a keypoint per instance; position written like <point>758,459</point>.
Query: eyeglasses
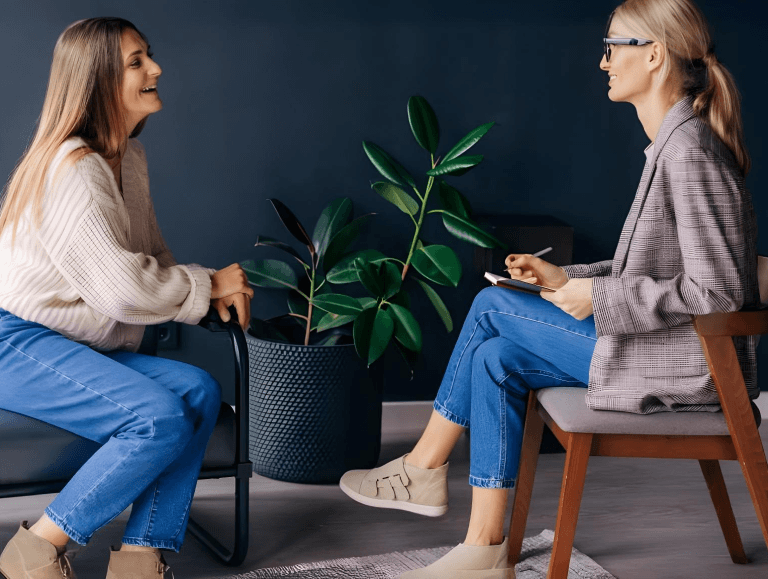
<point>628,41</point>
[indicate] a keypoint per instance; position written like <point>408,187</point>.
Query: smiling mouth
<point>148,89</point>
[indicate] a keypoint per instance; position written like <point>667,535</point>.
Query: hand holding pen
<point>533,269</point>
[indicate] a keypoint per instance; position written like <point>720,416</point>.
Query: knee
<point>487,299</point>
<point>205,392</point>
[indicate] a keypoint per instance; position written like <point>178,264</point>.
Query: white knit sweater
<point>98,270</point>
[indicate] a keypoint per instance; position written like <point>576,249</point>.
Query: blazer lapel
<point>677,115</point>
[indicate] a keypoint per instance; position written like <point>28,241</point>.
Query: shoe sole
<point>425,510</point>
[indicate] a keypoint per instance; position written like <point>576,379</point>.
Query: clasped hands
<point>229,286</point>
<point>573,296</point>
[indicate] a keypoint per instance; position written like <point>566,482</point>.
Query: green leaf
<point>382,280</point>
<point>387,166</point>
<point>469,231</point>
<point>401,298</point>
<point>263,240</point>
<point>330,222</point>
<point>366,302</point>
<point>454,201</point>
<point>392,278</point>
<point>442,311</point>
<point>367,273</point>
<point>270,273</point>
<point>293,224</point>
<point>457,166</point>
<point>468,141</point>
<point>397,197</point>
<point>410,358</point>
<point>341,241</point>
<point>331,340</point>
<point>344,271</point>
<point>407,330</point>
<point>329,321</point>
<point>438,263</point>
<point>423,123</point>
<point>372,332</point>
<point>337,304</point>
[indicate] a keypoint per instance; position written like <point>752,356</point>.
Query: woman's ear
<point>656,56</point>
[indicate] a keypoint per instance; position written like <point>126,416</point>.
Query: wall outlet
<point>168,336</point>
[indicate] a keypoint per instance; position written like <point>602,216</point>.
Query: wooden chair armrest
<point>744,323</point>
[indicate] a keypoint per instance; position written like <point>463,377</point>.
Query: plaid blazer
<point>688,247</point>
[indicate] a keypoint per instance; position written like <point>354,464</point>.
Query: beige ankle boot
<point>397,485</point>
<point>468,562</point>
<point>136,565</point>
<point>27,556</point>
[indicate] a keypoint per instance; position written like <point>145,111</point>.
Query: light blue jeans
<point>153,417</point>
<point>511,342</point>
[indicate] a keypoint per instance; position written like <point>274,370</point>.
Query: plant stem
<point>309,311</point>
<point>418,225</point>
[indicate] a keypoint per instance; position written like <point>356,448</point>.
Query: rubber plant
<point>309,300</point>
<point>388,314</point>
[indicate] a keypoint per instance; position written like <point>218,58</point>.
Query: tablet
<point>515,284</point>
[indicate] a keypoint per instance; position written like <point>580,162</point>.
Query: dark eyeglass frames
<point>607,42</point>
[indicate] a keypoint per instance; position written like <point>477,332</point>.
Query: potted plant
<point>308,432</point>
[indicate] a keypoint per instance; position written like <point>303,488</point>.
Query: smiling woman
<point>83,269</point>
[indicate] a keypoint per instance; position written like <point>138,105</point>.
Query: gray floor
<point>639,519</point>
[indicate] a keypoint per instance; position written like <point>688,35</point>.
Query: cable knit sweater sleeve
<point>85,233</point>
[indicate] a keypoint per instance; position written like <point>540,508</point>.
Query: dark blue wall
<point>273,99</point>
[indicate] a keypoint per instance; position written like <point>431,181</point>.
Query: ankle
<point>483,540</point>
<point>425,462</point>
<point>139,548</point>
<point>44,534</point>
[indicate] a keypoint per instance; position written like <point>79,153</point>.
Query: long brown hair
<point>83,100</point>
<point>684,34</point>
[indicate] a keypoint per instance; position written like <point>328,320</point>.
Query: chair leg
<point>721,355</point>
<point>576,459</point>
<point>529,457</point>
<point>714,477</point>
<point>238,553</point>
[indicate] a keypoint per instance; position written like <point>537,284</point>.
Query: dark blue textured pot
<point>315,411</point>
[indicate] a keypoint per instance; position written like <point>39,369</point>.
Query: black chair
<point>43,458</point>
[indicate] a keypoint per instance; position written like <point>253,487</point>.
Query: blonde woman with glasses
<point>83,269</point>
<point>621,327</point>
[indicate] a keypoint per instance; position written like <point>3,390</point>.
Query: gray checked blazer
<point>688,247</point>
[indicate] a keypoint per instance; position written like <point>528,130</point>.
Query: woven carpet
<point>534,561</point>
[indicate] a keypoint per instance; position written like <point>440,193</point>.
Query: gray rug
<point>534,562</point>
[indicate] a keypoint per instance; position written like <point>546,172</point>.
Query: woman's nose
<point>603,63</point>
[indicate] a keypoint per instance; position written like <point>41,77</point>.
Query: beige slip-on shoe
<point>468,562</point>
<point>27,556</point>
<point>136,565</point>
<point>397,485</point>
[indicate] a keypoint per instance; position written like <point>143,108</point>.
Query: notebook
<point>514,284</point>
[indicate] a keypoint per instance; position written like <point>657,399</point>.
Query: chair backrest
<point>762,278</point>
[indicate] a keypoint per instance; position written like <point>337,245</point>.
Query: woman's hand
<point>242,303</point>
<point>229,286</point>
<point>574,298</point>
<point>525,267</point>
<point>228,281</point>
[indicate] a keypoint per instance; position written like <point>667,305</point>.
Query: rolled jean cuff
<point>491,483</point>
<point>78,538</point>
<point>448,415</point>
<point>157,544</point>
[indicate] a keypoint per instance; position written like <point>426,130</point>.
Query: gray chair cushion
<point>34,451</point>
<point>569,410</point>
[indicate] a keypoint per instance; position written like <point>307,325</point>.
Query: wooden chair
<point>706,437</point>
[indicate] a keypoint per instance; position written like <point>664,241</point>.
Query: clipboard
<point>514,284</point>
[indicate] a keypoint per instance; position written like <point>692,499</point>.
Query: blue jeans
<point>511,343</point>
<point>152,416</point>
